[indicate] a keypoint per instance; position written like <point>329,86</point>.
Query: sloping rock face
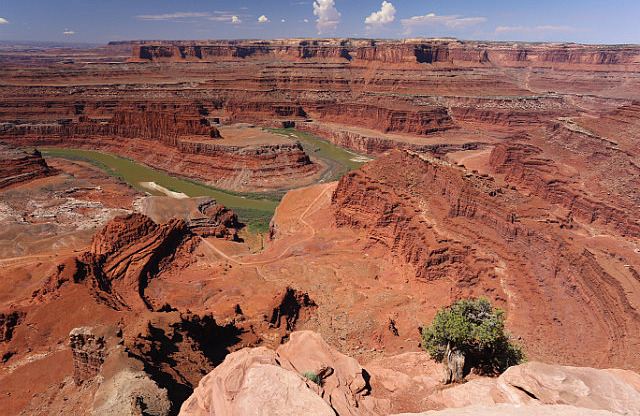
<point>581,387</point>
<point>17,166</point>
<point>408,381</point>
<point>232,389</point>
<point>513,410</point>
<point>466,234</point>
<point>122,258</point>
<point>592,177</point>
<point>344,383</point>
<point>250,382</point>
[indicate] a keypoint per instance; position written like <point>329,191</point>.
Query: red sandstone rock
<point>464,232</point>
<point>250,382</point>
<point>535,382</point>
<point>513,410</point>
<point>121,260</point>
<point>17,166</point>
<point>231,388</point>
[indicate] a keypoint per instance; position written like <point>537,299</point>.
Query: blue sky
<point>99,21</point>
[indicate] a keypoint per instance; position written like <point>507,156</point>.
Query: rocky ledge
<point>259,381</point>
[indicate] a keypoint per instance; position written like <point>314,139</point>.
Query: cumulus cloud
<point>68,32</point>
<point>225,17</point>
<point>3,21</point>
<point>263,19</point>
<point>282,20</point>
<point>171,16</point>
<point>386,14</point>
<point>455,21</point>
<point>305,20</point>
<point>328,15</point>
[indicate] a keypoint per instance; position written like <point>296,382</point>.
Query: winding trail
<point>15,261</point>
<point>286,249</point>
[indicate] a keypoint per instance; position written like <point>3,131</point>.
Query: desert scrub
<point>470,334</point>
<point>311,375</point>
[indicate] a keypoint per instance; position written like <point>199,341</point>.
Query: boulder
<point>251,382</point>
<point>589,388</point>
<point>344,383</point>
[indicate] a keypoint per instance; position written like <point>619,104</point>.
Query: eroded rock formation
<point>17,166</point>
<point>121,260</point>
<point>455,228</point>
<point>404,51</point>
<point>122,385</point>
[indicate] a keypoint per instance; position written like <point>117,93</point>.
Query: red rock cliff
<point>461,232</point>
<point>17,166</point>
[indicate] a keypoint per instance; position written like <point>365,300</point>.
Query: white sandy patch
<point>361,159</point>
<point>156,187</point>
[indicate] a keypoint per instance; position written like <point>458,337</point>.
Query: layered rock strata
<point>17,166</point>
<point>452,227</point>
<point>405,51</point>
<point>183,146</point>
<point>121,260</point>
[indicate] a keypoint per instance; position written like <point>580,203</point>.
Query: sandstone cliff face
<point>407,51</point>
<point>388,120</point>
<point>611,196</point>
<point>90,347</point>
<point>182,146</point>
<point>454,228</point>
<point>17,166</point>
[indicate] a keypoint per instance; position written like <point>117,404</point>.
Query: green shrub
<point>475,329</point>
<point>311,375</point>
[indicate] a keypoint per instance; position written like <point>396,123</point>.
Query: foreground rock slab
<point>261,381</point>
<point>513,410</point>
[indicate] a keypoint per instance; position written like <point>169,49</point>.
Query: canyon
<point>499,169</point>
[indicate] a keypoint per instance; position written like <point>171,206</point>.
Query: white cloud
<point>455,21</point>
<point>282,20</point>
<point>386,14</point>
<point>263,19</point>
<point>305,20</point>
<point>68,32</point>
<point>328,15</point>
<point>547,27</point>
<point>3,21</point>
<point>231,18</point>
<point>540,29</point>
<point>170,16</point>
